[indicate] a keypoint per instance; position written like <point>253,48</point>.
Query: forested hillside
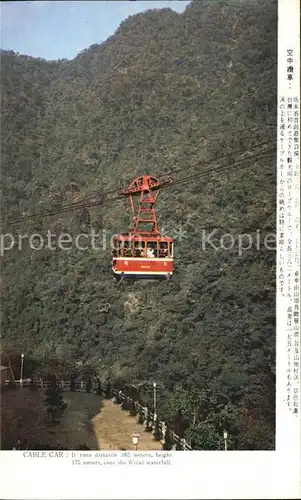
<point>168,91</point>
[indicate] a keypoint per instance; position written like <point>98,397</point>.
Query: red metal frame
<point>147,187</point>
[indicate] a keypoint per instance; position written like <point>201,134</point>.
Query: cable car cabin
<point>142,257</point>
<point>143,253</point>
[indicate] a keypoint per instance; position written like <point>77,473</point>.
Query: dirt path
<point>113,429</point>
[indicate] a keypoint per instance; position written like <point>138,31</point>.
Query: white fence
<point>119,396</point>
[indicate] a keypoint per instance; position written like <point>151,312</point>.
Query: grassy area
<point>23,415</point>
<point>87,420</point>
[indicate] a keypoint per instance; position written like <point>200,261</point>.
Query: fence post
<point>119,397</point>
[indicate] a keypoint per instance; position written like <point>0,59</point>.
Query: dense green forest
<point>167,91</point>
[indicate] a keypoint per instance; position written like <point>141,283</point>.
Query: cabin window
<point>171,249</point>
<point>163,249</point>
<point>139,248</point>
<point>126,248</point>
<point>116,248</point>
<point>152,249</point>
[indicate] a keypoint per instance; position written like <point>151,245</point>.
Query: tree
<point>180,423</point>
<point>53,382</point>
<point>140,418</point>
<point>108,390</point>
<point>157,433</point>
<point>89,385</point>
<point>99,389</point>
<point>126,404</point>
<point>72,383</point>
<point>148,423</point>
<point>132,409</point>
<point>168,441</point>
<point>204,436</point>
<point>54,403</point>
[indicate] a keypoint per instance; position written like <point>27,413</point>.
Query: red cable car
<point>143,253</point>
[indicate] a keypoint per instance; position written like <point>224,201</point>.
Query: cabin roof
<point>137,237</point>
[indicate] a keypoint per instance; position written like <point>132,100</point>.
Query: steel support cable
<point>101,195</point>
<point>69,208</point>
<point>241,151</point>
<point>270,153</point>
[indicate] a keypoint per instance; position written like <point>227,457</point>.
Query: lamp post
<point>155,401</point>
<point>135,439</point>
<point>225,439</point>
<point>22,364</point>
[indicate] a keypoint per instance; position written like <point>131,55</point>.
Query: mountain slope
<point>166,92</point>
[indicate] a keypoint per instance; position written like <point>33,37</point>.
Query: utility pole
<point>22,364</point>
<point>225,439</point>
<point>155,401</point>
